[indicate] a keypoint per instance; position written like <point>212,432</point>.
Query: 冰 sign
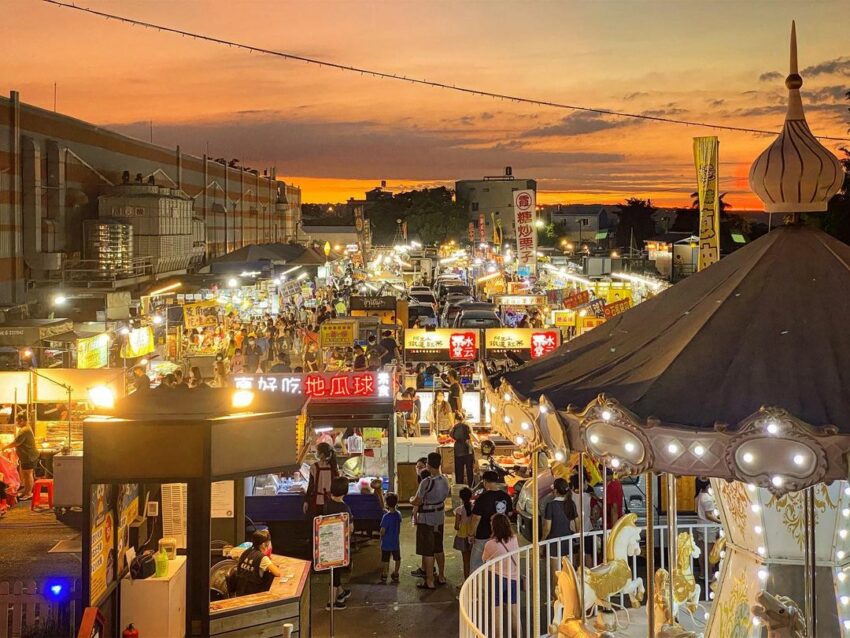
<point>526,233</point>
<point>442,344</point>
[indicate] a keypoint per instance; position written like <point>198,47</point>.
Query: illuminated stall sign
<point>616,308</point>
<point>93,352</point>
<point>443,344</point>
<point>337,334</point>
<point>281,383</point>
<point>349,385</point>
<point>577,299</point>
<point>520,300</point>
<point>373,303</point>
<point>526,232</point>
<point>527,343</point>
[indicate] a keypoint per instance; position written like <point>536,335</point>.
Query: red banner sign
<point>577,299</point>
<point>471,231</point>
<point>542,343</point>
<point>482,230</point>
<point>616,308</point>
<point>463,346</point>
<point>353,385</point>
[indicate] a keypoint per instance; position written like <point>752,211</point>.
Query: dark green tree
<point>636,222</point>
<point>431,214</point>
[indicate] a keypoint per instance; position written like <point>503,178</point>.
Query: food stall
<point>513,307</point>
<point>391,310</point>
<point>342,408</point>
<point>525,343</point>
<point>24,342</point>
<point>174,470</point>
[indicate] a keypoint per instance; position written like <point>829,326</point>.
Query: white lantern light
<point>699,450</point>
<point>673,448</point>
<point>799,459</point>
<point>748,457</point>
<point>606,415</point>
<point>594,439</point>
<point>772,427</point>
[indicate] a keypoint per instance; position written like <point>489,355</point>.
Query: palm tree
<point>636,223</point>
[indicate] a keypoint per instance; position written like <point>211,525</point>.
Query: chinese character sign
<point>351,385</point>
<point>542,343</point>
<point>463,346</point>
<point>526,233</point>
<point>482,229</point>
<point>706,160</point>
<point>616,308</point>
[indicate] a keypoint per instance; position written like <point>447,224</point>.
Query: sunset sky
<point>338,134</point>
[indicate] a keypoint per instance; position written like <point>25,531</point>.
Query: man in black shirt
<point>494,500</point>
<point>455,393</point>
<point>390,347</point>
<point>464,457</point>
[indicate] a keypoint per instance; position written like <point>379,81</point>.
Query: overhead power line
<point>419,81</point>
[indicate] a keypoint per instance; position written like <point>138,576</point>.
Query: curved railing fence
<point>481,617</point>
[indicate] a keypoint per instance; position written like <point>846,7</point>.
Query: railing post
<point>650,554</point>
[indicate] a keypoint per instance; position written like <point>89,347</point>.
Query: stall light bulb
<point>756,619</point>
<point>520,440</point>
<point>699,450</point>
<point>525,426</point>
<point>748,457</point>
<point>507,419</point>
<point>705,616</point>
<point>847,624</point>
<point>755,508</point>
<point>761,551</point>
<point>673,448</point>
<point>845,512</point>
<point>723,554</point>
<point>799,459</point>
<point>606,415</point>
<point>544,410</point>
<point>493,409</point>
<point>507,396</point>
<point>847,491</point>
<point>615,463</point>
<point>840,554</point>
<point>751,488</point>
<point>843,533</point>
<point>845,600</point>
<point>842,576</point>
<point>777,481</point>
<point>711,595</point>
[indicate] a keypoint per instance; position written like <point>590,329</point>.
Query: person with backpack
<point>430,502</point>
<point>322,474</point>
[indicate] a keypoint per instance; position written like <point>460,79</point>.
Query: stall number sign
<point>331,540</point>
<point>355,385</point>
<point>616,308</point>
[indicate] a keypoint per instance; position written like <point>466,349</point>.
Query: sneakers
<point>394,577</point>
<point>343,596</point>
<point>337,606</point>
<point>418,573</point>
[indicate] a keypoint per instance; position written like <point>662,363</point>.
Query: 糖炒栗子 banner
<point>706,162</point>
<point>526,232</point>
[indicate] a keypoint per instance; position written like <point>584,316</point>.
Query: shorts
<point>508,590</point>
<point>588,545</point>
<point>337,578</point>
<point>705,536</point>
<point>28,466</point>
<point>462,544</point>
<point>386,553</point>
<point>429,539</point>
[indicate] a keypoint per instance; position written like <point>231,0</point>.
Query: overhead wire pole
<point>420,81</point>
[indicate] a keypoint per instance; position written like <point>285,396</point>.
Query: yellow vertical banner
<point>706,150</point>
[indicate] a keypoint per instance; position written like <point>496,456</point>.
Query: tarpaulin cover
<point>768,325</point>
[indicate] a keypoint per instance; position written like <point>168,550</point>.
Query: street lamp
<point>59,300</point>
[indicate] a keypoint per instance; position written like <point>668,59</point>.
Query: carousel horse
<point>675,631</point>
<point>781,615</point>
<point>714,557</point>
<point>566,619</point>
<point>686,591</point>
<point>615,576</point>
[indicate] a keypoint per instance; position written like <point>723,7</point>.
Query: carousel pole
<point>535,550</point>
<point>650,554</point>
<point>671,538</point>
<point>810,561</point>
<point>581,532</point>
<point>605,513</point>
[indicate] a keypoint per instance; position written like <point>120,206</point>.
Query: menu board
<point>128,509</point>
<point>331,541</point>
<point>102,560</point>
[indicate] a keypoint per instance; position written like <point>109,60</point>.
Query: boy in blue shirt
<point>390,530</point>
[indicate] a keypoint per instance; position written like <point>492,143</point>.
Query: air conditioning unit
<point>174,512</point>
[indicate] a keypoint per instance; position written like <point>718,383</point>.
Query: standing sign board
<point>331,541</point>
<point>526,233</point>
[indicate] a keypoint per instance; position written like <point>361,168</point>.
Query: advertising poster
<point>706,161</point>
<point>128,509</point>
<point>102,541</point>
<point>138,343</point>
<point>337,334</point>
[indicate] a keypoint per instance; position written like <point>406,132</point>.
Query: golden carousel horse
<point>615,576</point>
<point>566,621</point>
<point>686,591</point>
<point>781,615</point>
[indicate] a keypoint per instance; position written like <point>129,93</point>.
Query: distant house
<point>582,224</point>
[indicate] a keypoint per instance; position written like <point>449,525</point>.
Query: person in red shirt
<point>614,499</point>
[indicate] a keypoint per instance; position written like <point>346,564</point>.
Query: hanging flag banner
<point>706,150</point>
<point>482,229</point>
<point>471,232</point>
<point>526,233</point>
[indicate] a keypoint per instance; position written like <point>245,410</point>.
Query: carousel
<point>740,374</point>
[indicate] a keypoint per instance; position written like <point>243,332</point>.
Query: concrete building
<point>54,169</point>
<point>492,197</point>
<point>584,224</point>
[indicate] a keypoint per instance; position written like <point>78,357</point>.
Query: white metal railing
<point>481,618</point>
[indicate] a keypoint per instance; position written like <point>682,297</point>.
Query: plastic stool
<point>39,487</point>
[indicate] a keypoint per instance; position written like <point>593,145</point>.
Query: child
<point>339,488</point>
<point>390,530</point>
<point>463,530</point>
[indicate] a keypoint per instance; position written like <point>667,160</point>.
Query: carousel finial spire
<point>796,173</point>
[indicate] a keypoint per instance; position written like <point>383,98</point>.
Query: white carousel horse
<point>686,591</point>
<point>615,575</point>
<point>781,615</point>
<point>566,621</point>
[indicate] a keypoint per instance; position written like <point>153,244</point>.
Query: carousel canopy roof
<point>767,325</point>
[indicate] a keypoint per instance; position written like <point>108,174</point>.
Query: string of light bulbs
<point>418,81</point>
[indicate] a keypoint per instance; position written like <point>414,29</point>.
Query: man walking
<point>430,502</point>
<point>494,500</point>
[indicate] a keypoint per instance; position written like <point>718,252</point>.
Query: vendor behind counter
<point>255,572</point>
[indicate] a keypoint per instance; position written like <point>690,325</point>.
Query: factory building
<point>78,201</point>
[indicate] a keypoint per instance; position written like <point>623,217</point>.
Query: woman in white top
<point>502,542</point>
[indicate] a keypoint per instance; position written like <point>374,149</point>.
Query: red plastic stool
<point>39,487</point>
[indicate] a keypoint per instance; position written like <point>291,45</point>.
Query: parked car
<point>457,288</point>
<point>424,297</point>
<point>422,311</point>
<point>447,317</point>
<point>476,319</point>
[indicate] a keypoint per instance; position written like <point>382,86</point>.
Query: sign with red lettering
<point>482,230</point>
<point>544,342</point>
<point>471,232</point>
<point>442,344</point>
<point>616,308</point>
<point>463,346</point>
<point>526,233</point>
<point>349,385</point>
<point>526,343</point>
